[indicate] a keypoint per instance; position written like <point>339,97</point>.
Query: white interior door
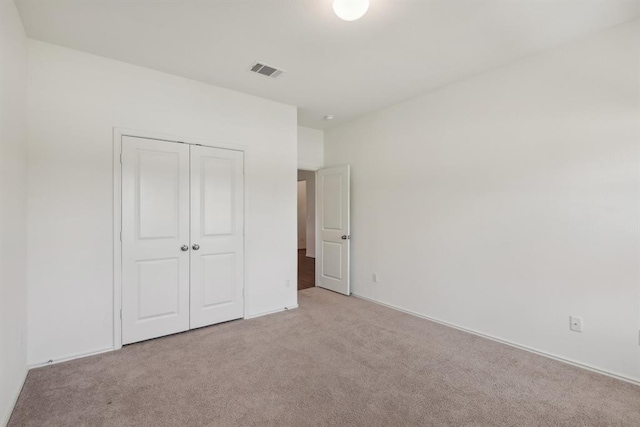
<point>217,228</point>
<point>332,259</point>
<point>155,238</point>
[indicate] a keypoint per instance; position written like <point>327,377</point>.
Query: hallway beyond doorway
<point>306,271</point>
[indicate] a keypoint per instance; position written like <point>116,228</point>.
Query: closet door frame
<point>118,134</point>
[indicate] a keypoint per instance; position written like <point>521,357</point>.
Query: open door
<point>332,259</point>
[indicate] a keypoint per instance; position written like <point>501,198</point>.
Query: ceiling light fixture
<point>350,10</point>
<point>329,117</point>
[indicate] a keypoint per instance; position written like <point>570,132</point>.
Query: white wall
<point>13,160</point>
<point>310,158</point>
<point>507,202</point>
<point>74,101</point>
<point>310,178</point>
<point>310,148</point>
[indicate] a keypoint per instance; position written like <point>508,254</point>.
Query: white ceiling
<point>399,49</point>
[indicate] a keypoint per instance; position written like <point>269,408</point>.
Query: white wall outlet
<point>575,323</point>
<point>287,284</point>
<point>374,277</point>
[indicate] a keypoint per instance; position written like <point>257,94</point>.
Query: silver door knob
<point>184,248</point>
<point>195,247</point>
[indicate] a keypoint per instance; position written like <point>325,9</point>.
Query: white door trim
<point>118,133</point>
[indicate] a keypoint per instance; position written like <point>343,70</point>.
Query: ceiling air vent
<point>266,70</point>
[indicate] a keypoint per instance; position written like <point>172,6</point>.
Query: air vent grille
<point>266,70</point>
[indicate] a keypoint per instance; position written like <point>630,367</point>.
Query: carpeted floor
<point>336,360</point>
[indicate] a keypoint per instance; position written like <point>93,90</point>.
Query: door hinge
<point>120,314</point>
<point>121,235</point>
<point>120,158</point>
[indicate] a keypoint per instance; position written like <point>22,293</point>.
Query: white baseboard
<point>14,400</point>
<point>105,350</point>
<point>509,343</point>
<point>266,313</point>
<point>67,358</point>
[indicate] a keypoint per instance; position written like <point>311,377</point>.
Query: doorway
<point>306,229</point>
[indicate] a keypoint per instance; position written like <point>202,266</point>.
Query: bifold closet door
<point>217,228</point>
<point>155,238</point>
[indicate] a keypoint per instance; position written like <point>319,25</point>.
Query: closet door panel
<point>217,218</point>
<point>155,229</point>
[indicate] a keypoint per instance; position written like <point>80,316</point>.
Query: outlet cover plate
<point>575,323</point>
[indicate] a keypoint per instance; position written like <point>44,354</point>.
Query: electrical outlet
<point>575,323</point>
<point>287,284</point>
<point>375,278</point>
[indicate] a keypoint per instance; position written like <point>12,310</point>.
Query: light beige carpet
<point>334,361</point>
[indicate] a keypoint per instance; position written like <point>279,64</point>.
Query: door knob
<point>195,247</point>
<point>184,248</point>
<point>344,237</point>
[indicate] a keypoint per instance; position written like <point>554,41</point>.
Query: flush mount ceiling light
<point>329,117</point>
<point>350,10</point>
